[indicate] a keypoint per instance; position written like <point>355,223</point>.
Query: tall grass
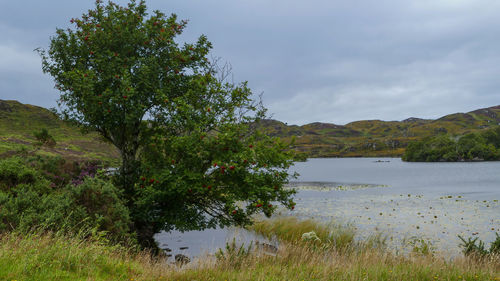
<point>295,262</point>
<point>338,256</point>
<point>60,257</point>
<point>54,256</point>
<point>332,235</point>
<point>290,229</point>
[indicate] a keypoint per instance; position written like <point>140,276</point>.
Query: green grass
<point>300,260</point>
<point>18,122</point>
<point>60,257</point>
<point>290,229</point>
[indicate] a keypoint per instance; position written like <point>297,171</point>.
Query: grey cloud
<point>319,60</point>
<point>21,77</point>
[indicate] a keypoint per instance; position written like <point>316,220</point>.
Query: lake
<point>403,201</point>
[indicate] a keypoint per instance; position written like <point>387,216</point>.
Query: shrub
<point>234,255</point>
<point>495,245</point>
<point>60,171</point>
<point>421,246</point>
<point>470,248</point>
<point>26,208</point>
<point>13,172</point>
<point>473,146</point>
<point>28,200</point>
<point>44,138</point>
<point>99,201</point>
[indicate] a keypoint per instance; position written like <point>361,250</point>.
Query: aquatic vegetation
<point>329,186</point>
<point>234,255</point>
<point>292,230</point>
<point>400,217</point>
<point>470,248</point>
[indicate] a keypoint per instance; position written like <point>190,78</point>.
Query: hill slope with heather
<point>376,137</point>
<point>19,122</point>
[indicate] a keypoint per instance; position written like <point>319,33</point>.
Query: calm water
<point>480,180</point>
<point>403,201</point>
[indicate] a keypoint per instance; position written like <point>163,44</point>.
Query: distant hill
<point>18,122</point>
<point>361,138</point>
<point>376,137</point>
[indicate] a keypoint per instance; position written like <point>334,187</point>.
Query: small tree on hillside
<point>44,138</point>
<point>190,156</point>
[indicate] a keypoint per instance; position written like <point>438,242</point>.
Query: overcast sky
<point>318,60</point>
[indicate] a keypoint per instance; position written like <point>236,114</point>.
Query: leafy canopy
<point>191,156</point>
<point>483,145</point>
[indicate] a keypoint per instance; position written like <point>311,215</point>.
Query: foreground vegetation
<point>56,256</point>
<point>58,195</point>
<point>480,146</point>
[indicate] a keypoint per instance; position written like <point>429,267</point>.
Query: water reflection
<point>198,243</point>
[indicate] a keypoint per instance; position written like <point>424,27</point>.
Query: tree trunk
<point>128,177</point>
<point>128,174</point>
<point>145,236</point>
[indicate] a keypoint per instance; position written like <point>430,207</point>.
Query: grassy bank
<point>59,257</point>
<point>295,262</point>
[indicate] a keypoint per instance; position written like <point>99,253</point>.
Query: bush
<point>492,136</point>
<point>483,151</point>
<point>44,138</point>
<point>495,245</point>
<point>473,146</point>
<point>234,255</point>
<point>14,172</point>
<point>28,200</point>
<point>99,201</point>
<point>26,208</point>
<point>60,171</point>
<point>470,248</point>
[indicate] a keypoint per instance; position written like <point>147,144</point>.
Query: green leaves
<point>472,146</point>
<point>116,50</point>
<point>171,113</point>
<point>227,174</point>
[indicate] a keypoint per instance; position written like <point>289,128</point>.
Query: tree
<point>492,136</point>
<point>44,138</point>
<point>191,157</point>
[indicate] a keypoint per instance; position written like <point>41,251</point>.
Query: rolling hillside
<point>18,122</point>
<point>361,138</point>
<point>376,137</point>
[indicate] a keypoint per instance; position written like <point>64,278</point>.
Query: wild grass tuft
<point>291,229</point>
